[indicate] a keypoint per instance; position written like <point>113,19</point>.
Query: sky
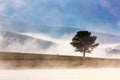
<point>49,16</point>
<point>94,15</point>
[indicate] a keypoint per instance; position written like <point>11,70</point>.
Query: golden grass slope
<point>14,60</point>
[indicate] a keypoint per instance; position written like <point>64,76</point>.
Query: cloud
<point>103,28</point>
<point>53,18</point>
<point>113,6</point>
<point>14,42</point>
<point>118,24</point>
<point>8,7</point>
<point>62,13</point>
<point>40,12</point>
<point>2,8</point>
<point>18,3</point>
<point>45,12</point>
<point>26,47</point>
<point>113,50</point>
<point>62,46</point>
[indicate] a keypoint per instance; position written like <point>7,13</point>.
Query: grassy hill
<point>27,61</point>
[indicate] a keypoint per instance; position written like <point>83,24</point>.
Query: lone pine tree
<point>84,42</point>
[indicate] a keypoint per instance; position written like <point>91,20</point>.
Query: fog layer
<point>43,44</point>
<point>61,74</point>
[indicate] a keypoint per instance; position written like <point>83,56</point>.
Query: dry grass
<point>9,60</point>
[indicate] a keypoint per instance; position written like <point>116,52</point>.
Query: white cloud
<point>18,2</point>
<point>10,42</point>
<point>62,46</point>
<point>23,9</point>
<point>1,27</point>
<point>28,47</point>
<point>112,6</point>
<point>53,17</point>
<point>103,28</point>
<point>105,4</point>
<point>7,6</point>
<point>2,8</point>
<point>118,23</point>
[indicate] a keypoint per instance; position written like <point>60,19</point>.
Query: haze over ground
<point>61,74</point>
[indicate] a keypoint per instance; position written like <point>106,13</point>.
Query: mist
<point>14,42</point>
<point>51,45</point>
<point>63,46</point>
<point>61,74</point>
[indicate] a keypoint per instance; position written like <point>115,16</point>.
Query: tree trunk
<point>84,55</point>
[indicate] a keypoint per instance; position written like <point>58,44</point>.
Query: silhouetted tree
<point>84,42</point>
